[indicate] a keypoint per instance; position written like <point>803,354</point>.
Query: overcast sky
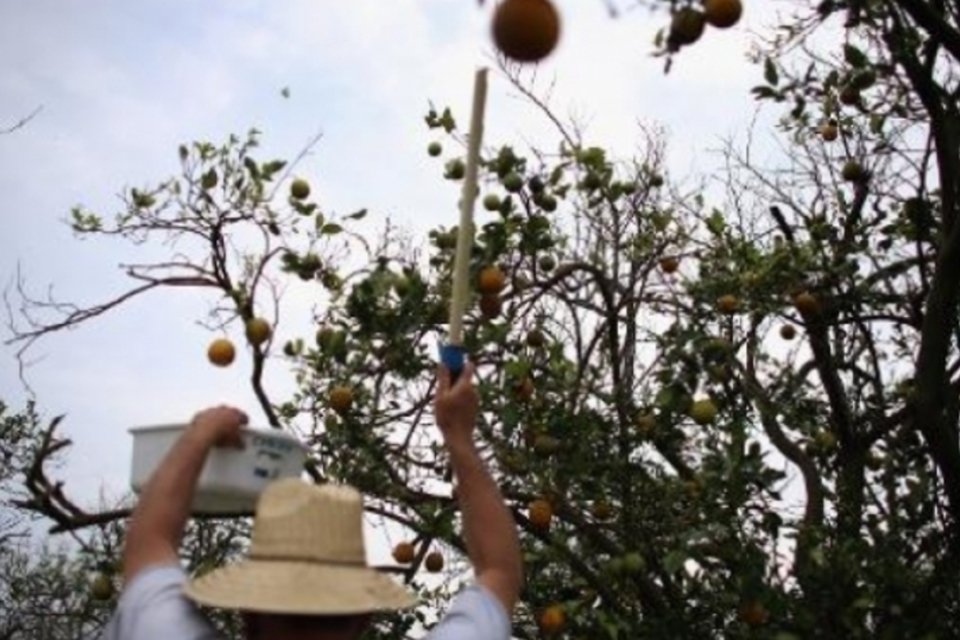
<point>122,83</point>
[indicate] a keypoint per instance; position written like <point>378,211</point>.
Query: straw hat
<point>307,557</point>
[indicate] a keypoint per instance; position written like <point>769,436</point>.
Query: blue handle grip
<point>453,357</point>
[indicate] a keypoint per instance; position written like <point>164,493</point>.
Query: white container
<point>232,479</point>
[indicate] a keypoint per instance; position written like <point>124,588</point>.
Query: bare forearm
<point>489,528</point>
<point>160,517</point>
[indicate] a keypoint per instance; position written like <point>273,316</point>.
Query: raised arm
<point>158,521</point>
<point>489,529</point>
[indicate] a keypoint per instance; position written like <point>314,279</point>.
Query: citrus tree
<point>730,415</point>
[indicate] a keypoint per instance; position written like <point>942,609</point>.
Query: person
<point>305,576</point>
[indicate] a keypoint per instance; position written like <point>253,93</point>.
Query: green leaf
<point>331,229</point>
<point>770,73</point>
<point>358,215</point>
<point>557,174</point>
<point>674,560</point>
<point>209,180</point>
<point>854,57</point>
<point>268,169</point>
<point>716,224</point>
<point>447,121</point>
<point>764,92</point>
<point>252,167</point>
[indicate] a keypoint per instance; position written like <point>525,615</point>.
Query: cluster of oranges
<point>221,351</point>
<point>528,30</point>
<point>405,553</point>
<point>491,281</point>
<point>689,22</point>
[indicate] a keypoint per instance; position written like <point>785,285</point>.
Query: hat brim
<point>299,588</point>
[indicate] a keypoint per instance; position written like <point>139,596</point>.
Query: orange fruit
<point>525,389</point>
<point>434,562</point>
<point>491,306</point>
<point>646,424</point>
<point>686,27</point>
<point>341,399</point>
<point>703,412</point>
<point>536,339</point>
<point>788,332</point>
<point>850,96</point>
<point>492,202</point>
<point>722,14</point>
<point>806,303</point>
<point>552,620</point>
<point>526,30</point>
<point>602,510</point>
<point>221,352</point>
<point>829,131</point>
<point>853,172</point>
<point>753,613</point>
<point>540,514</point>
<point>728,304</point>
<point>491,280</point>
<point>546,445</point>
<point>299,189</point>
<point>404,553</point>
<point>669,264</point>
<point>258,331</point>
<point>102,587</point>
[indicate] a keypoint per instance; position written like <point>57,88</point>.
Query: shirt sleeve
<point>476,614</point>
<point>153,607</point>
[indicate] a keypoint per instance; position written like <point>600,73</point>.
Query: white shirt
<point>153,607</point>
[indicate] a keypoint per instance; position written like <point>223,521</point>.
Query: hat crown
<point>298,521</point>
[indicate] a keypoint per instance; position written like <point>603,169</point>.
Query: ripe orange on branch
<point>526,30</point>
<point>806,303</point>
<point>829,131</point>
<point>525,389</point>
<point>753,613</point>
<point>722,13</point>
<point>404,553</point>
<point>646,424</point>
<point>221,352</point>
<point>491,280</point>
<point>536,338</point>
<point>552,620</point>
<point>434,562</point>
<point>728,304</point>
<point>540,514</point>
<point>491,306</point>
<point>686,27</point>
<point>853,171</point>
<point>602,510</point>
<point>341,399</point>
<point>669,264</point>
<point>258,331</point>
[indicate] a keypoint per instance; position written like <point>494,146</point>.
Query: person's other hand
<point>456,404</point>
<point>221,426</point>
